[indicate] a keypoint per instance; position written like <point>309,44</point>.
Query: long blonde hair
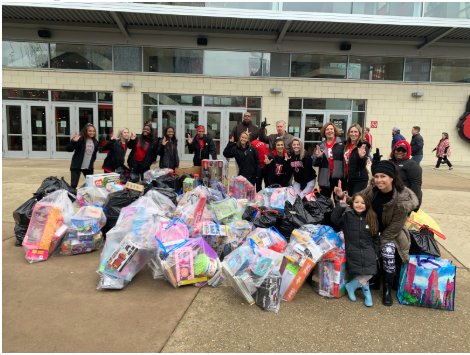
<point>359,139</point>
<point>302,150</point>
<point>120,133</point>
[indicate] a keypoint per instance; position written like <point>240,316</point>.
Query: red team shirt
<point>329,147</point>
<point>347,154</point>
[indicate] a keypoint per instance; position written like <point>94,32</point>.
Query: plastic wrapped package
<point>165,207</point>
<point>155,173</point>
<point>49,222</point>
<point>76,242</point>
<point>129,246</point>
<point>275,198</point>
<point>217,236</point>
<point>241,188</point>
<point>156,268</point>
<point>213,172</point>
<point>227,210</point>
<point>192,206</point>
<point>92,196</point>
<point>268,238</point>
<point>143,205</point>
<point>89,219</point>
<point>114,203</point>
<point>240,230</point>
<point>172,231</point>
<point>267,295</point>
<point>192,262</point>
<point>258,199</point>
<point>330,277</point>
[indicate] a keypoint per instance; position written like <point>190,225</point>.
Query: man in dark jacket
<point>417,144</point>
<point>281,128</point>
<point>202,146</point>
<point>246,125</point>
<point>396,136</point>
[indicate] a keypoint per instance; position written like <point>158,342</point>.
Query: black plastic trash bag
<point>318,207</point>
<point>164,191</point>
<point>423,243</point>
<point>295,216</point>
<point>124,174</point>
<point>20,232</point>
<point>114,203</point>
<point>170,181</point>
<point>133,177</point>
<point>22,215</point>
<point>51,184</point>
<point>267,218</point>
<point>248,213</point>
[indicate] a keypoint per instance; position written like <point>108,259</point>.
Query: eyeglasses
<point>247,116</point>
<point>401,150</point>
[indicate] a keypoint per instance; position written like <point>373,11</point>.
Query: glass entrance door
<point>214,120</point>
<point>342,120</point>
<point>192,118</point>
<point>14,131</point>
<point>39,136</point>
<point>312,122</point>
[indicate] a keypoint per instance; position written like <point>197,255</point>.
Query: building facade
<point>120,64</point>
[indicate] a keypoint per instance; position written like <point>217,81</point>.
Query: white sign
<point>39,124</point>
<point>109,123</point>
<point>214,126</point>
<point>63,123</point>
<point>102,123</point>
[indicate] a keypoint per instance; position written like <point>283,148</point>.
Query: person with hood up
<point>392,202</point>
<point>396,136</point>
<point>277,167</point>
<point>202,146</point>
<point>302,168</point>
<point>144,152</point>
<point>263,150</point>
<point>168,150</point>
<point>246,157</point>
<point>443,151</point>
<point>356,151</point>
<point>411,172</point>
<point>329,156</point>
<point>117,148</point>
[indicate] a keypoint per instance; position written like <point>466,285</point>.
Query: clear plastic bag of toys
<point>76,241</point>
<point>193,262</point>
<point>240,230</point>
<point>156,268</point>
<point>268,238</point>
<point>143,205</point>
<point>129,246</point>
<point>216,235</point>
<point>264,262</point>
<point>192,207</point>
<point>165,207</point>
<point>227,210</point>
<point>241,188</point>
<point>155,173</point>
<point>171,231</point>
<point>50,219</point>
<point>92,196</point>
<point>89,219</point>
<point>267,295</point>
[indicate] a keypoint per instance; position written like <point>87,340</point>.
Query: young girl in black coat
<point>144,152</point>
<point>246,157</point>
<point>85,146</point>
<point>359,224</point>
<point>168,150</point>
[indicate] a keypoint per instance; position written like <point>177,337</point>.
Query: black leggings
<point>75,176</point>
<point>439,160</point>
<point>355,187</point>
<point>138,168</point>
<point>259,181</point>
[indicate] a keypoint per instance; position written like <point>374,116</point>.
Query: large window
<point>388,8</point>
<point>331,7</point>
<point>243,5</point>
<point>375,68</point>
<point>224,63</point>
<point>185,61</point>
<point>277,65</point>
<point>127,58</point>
<point>417,69</point>
<point>25,54</point>
<point>451,70</point>
<point>447,9</point>
<point>319,66</point>
<point>25,94</point>
<point>81,56</point>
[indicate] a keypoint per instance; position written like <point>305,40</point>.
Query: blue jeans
<point>417,158</point>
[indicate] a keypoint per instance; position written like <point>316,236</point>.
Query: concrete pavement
<point>54,306</point>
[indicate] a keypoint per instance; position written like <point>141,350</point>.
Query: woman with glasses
<point>85,146</point>
<point>144,152</point>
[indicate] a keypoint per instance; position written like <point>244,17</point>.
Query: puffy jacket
<point>78,147</point>
<point>247,159</point>
<point>302,169</point>
<point>239,128</point>
<point>279,171</point>
<point>362,248</point>
<point>394,216</point>
<point>324,164</point>
<point>397,137</point>
<point>150,154</point>
<point>262,149</point>
<point>116,154</point>
<point>357,170</point>
<point>417,144</point>
<point>168,154</point>
<point>207,151</point>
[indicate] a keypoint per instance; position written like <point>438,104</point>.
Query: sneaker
<point>435,168</point>
<point>451,168</point>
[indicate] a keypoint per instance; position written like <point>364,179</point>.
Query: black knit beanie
<point>385,167</point>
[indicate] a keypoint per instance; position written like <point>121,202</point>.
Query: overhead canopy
<point>131,18</point>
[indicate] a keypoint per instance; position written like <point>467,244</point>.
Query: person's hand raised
<point>286,157</point>
<point>339,191</point>
<point>377,155</point>
<point>164,141</point>
<point>75,136</point>
<point>190,140</point>
<point>113,137</point>
<point>318,152</point>
<point>267,161</point>
<point>132,136</point>
<point>362,151</point>
<point>232,139</point>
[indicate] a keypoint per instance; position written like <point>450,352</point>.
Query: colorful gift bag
<point>427,282</point>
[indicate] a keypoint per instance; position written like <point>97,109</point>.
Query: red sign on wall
<point>373,124</point>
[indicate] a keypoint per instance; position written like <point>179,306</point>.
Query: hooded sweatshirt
<point>279,171</point>
<point>302,169</point>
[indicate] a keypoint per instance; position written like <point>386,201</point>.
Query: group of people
<point>372,213</point>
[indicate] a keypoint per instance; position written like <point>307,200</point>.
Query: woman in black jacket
<point>246,157</point>
<point>277,167</point>
<point>85,146</point>
<point>360,226</point>
<point>116,150</point>
<point>168,150</point>
<point>302,168</point>
<point>202,146</point>
<point>144,152</point>
<point>356,151</point>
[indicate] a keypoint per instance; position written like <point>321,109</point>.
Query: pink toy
<point>184,264</point>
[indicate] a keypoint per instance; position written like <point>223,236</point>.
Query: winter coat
<point>287,140</point>
<point>417,144</point>
<point>394,217</point>
<point>78,147</point>
<point>247,159</point>
<point>168,154</point>
<point>362,248</point>
<point>239,128</point>
<point>324,164</point>
<point>279,171</point>
<point>116,154</point>
<point>150,154</point>
<point>443,148</point>
<point>397,137</point>
<point>357,170</point>
<point>302,169</point>
<point>262,149</point>
<point>206,152</point>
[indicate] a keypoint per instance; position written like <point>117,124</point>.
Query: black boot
<point>387,289</point>
<point>374,282</point>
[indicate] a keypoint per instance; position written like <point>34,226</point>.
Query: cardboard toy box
<point>102,180</point>
<point>215,171</point>
<point>189,170</point>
